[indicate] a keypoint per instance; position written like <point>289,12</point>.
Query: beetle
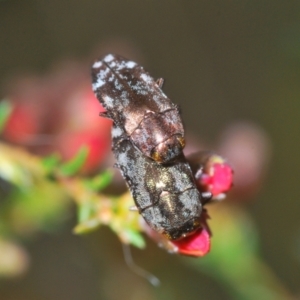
<point>136,103</point>
<point>164,194</point>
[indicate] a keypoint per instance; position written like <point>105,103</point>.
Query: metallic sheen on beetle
<point>165,195</point>
<point>136,102</point>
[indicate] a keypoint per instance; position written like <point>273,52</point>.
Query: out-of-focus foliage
<point>5,109</point>
<point>223,61</point>
<point>41,188</point>
<point>236,243</point>
<point>36,197</point>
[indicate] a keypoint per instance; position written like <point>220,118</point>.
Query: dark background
<point>223,61</point>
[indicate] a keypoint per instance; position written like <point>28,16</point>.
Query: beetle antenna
<point>136,269</point>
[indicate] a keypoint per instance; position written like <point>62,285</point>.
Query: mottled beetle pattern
<point>165,195</point>
<point>148,139</point>
<point>136,103</point>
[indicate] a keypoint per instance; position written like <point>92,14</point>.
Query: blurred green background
<point>223,61</point>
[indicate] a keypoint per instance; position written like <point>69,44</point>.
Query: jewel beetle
<point>164,194</point>
<point>136,103</point>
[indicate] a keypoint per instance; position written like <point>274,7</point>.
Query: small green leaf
<point>100,181</point>
<point>135,238</point>
<point>73,166</point>
<point>5,110</point>
<point>86,219</point>
<point>85,211</point>
<point>50,162</point>
<point>87,226</point>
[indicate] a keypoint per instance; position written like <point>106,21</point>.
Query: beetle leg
<point>133,208</point>
<point>105,114</point>
<point>160,82</point>
<point>206,197</point>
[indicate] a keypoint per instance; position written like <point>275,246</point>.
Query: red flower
<point>215,175</point>
<point>22,124</point>
<point>197,244</point>
<point>97,143</point>
<point>84,127</point>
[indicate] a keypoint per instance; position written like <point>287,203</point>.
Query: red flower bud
<point>196,244</point>
<point>22,125</point>
<point>217,177</point>
<point>212,173</point>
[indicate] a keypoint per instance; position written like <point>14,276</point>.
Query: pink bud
<point>197,244</point>
<point>218,179</point>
